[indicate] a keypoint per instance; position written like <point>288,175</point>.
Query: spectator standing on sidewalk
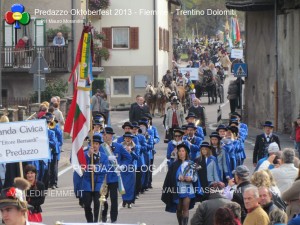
<point>96,102</point>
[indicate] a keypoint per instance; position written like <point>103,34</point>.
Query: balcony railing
<point>21,60</point>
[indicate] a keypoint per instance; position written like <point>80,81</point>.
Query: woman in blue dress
<point>128,176</point>
<point>222,158</point>
<point>181,186</point>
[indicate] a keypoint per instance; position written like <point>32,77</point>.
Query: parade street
<point>61,204</point>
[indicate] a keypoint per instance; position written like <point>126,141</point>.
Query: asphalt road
<point>61,204</point>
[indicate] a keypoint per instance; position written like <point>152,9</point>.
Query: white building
<point>138,35</point>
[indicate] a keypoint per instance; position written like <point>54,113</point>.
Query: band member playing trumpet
<point>128,176</point>
<point>119,159</point>
<point>181,186</point>
<point>99,166</point>
<point>191,118</point>
<point>172,146</point>
<point>55,155</point>
<point>194,142</point>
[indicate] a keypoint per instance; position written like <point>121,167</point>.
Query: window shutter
<point>165,40</point>
<point>160,39</point>
<point>107,43</point>
<point>134,37</point>
<point>168,41</point>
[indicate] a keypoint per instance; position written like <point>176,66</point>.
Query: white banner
<point>193,72</point>
<point>24,141</point>
<point>237,54</point>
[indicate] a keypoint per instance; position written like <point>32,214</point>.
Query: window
<point>121,86</point>
<point>120,37</point>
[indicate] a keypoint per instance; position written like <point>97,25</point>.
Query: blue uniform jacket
<point>99,174</point>
<point>224,164</point>
<point>137,147</point>
<point>143,150</point>
<point>123,158</point>
<point>199,133</point>
<point>212,168</point>
<point>194,146</point>
<point>59,138</point>
<point>230,151</point>
<point>150,145</point>
<point>154,134</point>
<point>171,146</point>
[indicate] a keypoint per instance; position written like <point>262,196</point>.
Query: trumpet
<point>52,125</point>
<point>197,122</point>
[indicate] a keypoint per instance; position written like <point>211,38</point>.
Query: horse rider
<point>181,81</point>
<point>167,79</point>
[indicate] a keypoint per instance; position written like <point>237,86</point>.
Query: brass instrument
<point>102,199</point>
<point>197,122</point>
<point>52,125</point>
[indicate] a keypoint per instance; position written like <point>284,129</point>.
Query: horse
<point>162,95</point>
<point>150,98</point>
<point>181,95</point>
<point>210,86</point>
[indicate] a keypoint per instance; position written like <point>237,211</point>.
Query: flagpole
<point>91,135</point>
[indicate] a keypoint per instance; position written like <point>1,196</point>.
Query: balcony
<point>250,5</point>
<point>14,60</point>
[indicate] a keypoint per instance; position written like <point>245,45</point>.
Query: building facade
<point>272,87</point>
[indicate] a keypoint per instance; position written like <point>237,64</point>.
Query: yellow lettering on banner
<point>83,64</point>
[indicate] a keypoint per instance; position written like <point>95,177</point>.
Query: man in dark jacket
<point>263,141</point>
<point>242,179</point>
<point>199,111</point>
<point>132,105</point>
<point>265,199</point>
<point>139,110</point>
<point>206,210</point>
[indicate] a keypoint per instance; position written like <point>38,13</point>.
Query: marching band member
<point>43,167</point>
<point>241,125</point>
<point>240,138</point>
<point>55,154</point>
<point>232,145</point>
<point>118,158</point>
<point>221,130</point>
<point>194,142</point>
<point>152,130</point>
<point>222,158</point>
<point>191,118</point>
<point>128,176</point>
<point>127,127</point>
<point>99,167</point>
<point>147,154</point>
<point>172,146</point>
<point>209,171</point>
<point>181,186</point>
<point>141,160</point>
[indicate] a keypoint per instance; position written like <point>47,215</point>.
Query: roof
<point>250,5</point>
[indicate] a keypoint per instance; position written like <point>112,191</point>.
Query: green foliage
<point>101,52</point>
<point>98,84</point>
<point>54,88</point>
<point>98,4</point>
<point>65,30</point>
